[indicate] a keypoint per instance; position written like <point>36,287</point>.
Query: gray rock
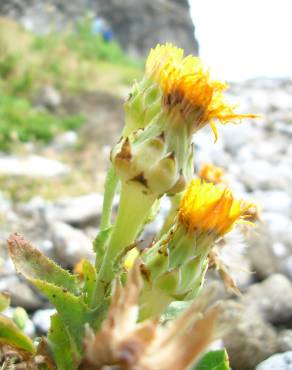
<point>42,319</point>
<point>138,27</point>
<point>21,294</point>
<point>274,201</point>
<point>285,340</point>
<point>272,299</point>
<point>280,361</point>
<point>29,328</point>
<point>250,339</point>
<point>31,166</point>
<point>261,175</point>
<point>49,97</point>
<point>286,267</point>
<point>70,244</point>
<point>77,211</point>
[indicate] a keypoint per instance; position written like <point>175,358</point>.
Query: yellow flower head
<point>211,173</point>
<point>186,85</point>
<point>210,209</point>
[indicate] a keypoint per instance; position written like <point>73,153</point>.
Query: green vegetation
<point>72,62</point>
<point>19,121</point>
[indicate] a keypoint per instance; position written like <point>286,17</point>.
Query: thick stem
<point>133,211</point>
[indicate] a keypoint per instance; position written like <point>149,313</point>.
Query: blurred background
<point>65,70</point>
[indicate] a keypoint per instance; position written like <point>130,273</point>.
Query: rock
<point>232,141</point>
<point>272,299</point>
<point>260,175</point>
<point>31,166</point>
<point>42,319</point>
<point>286,267</point>
<point>71,245</point>
<point>65,140</point>
<point>274,201</point>
<point>278,227</point>
<point>29,328</point>
<point>249,340</point>
<point>280,361</point>
<point>77,211</point>
<point>133,25</point>
<point>48,97</point>
<point>21,294</point>
<point>285,340</point>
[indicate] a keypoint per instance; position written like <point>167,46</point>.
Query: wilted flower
<point>129,345</point>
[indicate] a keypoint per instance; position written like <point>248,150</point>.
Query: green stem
<point>133,211</point>
<point>110,188</point>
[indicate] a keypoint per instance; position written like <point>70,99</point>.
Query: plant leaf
<point>99,243</point>
<point>175,309</point>
<point>31,263</point>
<point>59,342</point>
<point>12,335</point>
<point>4,301</point>
<point>214,360</point>
<point>90,277</point>
<point>72,310</point>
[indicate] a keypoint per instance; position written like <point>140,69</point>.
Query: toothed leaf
<point>31,263</point>
<point>59,342</point>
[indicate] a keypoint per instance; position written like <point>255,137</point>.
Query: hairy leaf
<point>59,342</point>
<point>72,310</point>
<point>31,263</point>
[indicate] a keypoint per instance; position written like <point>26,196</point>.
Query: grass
<point>21,122</point>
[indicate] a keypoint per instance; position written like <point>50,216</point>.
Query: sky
<point>242,39</point>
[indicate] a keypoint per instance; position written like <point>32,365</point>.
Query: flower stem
<point>133,211</point>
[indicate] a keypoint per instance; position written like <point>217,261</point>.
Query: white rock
<point>279,227</point>
<point>274,201</point>
<point>259,174</point>
<point>77,211</point>
<point>71,245</point>
<point>42,319</point>
<point>21,294</point>
<point>31,166</point>
<point>280,361</point>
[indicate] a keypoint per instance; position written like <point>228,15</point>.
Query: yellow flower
<point>187,86</point>
<point>211,173</point>
<point>206,208</point>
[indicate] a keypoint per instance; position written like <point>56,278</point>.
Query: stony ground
<point>53,196</point>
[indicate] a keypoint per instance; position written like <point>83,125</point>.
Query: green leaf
<point>99,243</point>
<point>4,301</point>
<point>31,263</point>
<point>59,342</point>
<point>12,335</point>
<point>20,317</point>
<point>175,309</point>
<point>214,360</point>
<point>72,310</point>
<point>90,277</point>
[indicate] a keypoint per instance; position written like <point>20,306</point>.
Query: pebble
<point>280,361</point>
<point>70,244</point>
